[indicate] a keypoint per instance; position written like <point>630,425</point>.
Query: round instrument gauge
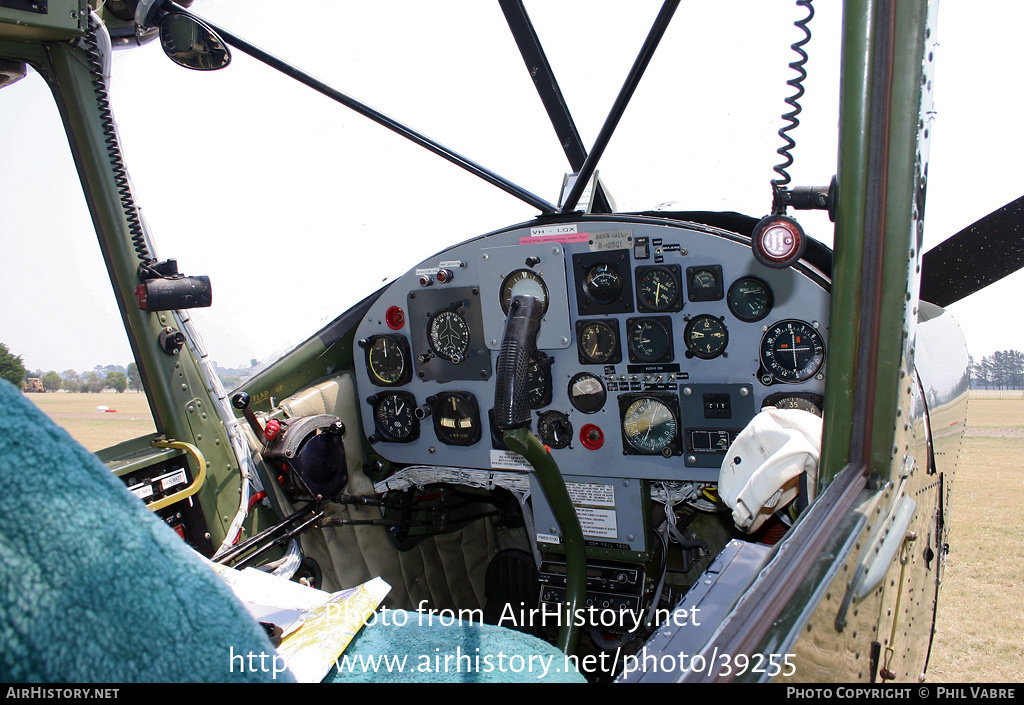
<point>554,429</point>
<point>587,393</point>
<point>394,415</point>
<point>456,418</point>
<point>648,340</point>
<point>750,299</point>
<point>603,283</point>
<point>702,279</point>
<point>649,426</point>
<point>523,281</point>
<point>448,334</point>
<point>387,360</point>
<point>657,289</point>
<point>704,283</point>
<point>598,342</point>
<point>792,351</point>
<point>802,401</point>
<point>538,380</point>
<point>706,336</point>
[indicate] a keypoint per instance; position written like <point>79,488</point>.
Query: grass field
<point>77,413</point>
<point>981,605</point>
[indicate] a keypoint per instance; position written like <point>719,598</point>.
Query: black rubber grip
<point>510,399</point>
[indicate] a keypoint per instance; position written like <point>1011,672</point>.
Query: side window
<point>59,314</point>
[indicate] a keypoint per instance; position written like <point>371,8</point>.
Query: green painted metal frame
<point>876,238</point>
<point>876,241</point>
<point>182,406</point>
<point>522,441</point>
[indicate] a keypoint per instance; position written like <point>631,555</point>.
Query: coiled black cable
<point>113,146</point>
<point>797,83</point>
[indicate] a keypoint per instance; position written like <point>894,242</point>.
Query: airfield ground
<point>981,607</point>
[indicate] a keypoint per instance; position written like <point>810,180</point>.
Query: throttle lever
<point>241,402</point>
<point>517,346</point>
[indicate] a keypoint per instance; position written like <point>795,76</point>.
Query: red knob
<point>272,429</point>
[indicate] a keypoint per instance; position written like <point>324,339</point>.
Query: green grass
<point>76,413</point>
<point>995,413</point>
<point>981,604</point>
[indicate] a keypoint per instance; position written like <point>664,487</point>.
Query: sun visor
<point>763,467</point>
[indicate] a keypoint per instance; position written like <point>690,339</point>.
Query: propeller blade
<point>979,255</point>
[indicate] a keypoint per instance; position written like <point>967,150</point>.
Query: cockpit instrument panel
<point>659,342</point>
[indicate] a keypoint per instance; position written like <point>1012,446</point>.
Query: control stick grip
<point>518,345</point>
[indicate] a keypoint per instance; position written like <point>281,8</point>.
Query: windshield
<point>297,207</point>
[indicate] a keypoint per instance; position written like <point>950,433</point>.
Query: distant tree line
<point>102,377</point>
<point>1000,370</point>
<point>98,379</point>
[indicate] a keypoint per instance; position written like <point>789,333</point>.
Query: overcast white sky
<point>297,208</point>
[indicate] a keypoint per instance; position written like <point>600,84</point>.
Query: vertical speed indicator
<point>792,351</point>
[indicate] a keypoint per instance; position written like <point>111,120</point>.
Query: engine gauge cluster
<point>657,340</point>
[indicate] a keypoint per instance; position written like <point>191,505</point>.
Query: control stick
<point>520,341</point>
<point>512,417</point>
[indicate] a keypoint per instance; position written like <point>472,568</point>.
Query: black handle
<point>520,341</point>
<point>241,402</point>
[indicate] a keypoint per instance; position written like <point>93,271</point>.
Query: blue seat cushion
<point>94,587</point>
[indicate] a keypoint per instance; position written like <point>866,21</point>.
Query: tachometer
<point>657,288</point>
<point>792,351</point>
<point>538,380</point>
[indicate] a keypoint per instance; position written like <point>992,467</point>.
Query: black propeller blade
<point>979,255</point>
